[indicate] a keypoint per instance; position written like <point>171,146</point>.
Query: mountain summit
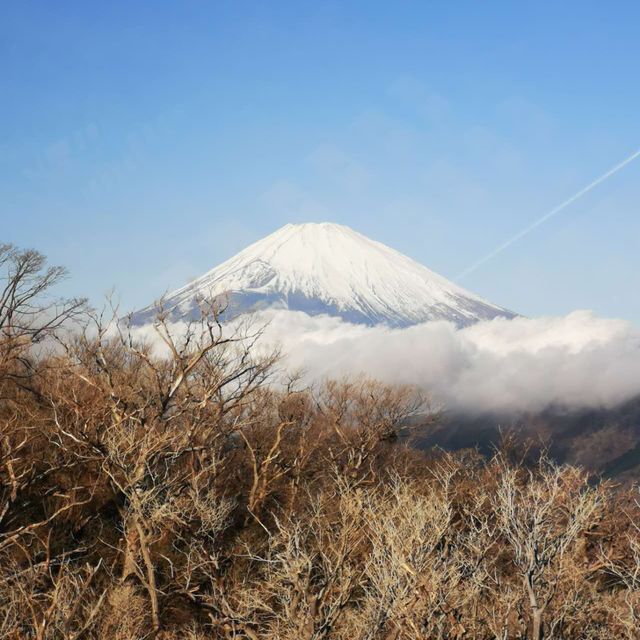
<point>329,268</point>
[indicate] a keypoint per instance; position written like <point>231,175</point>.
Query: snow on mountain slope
<point>329,268</point>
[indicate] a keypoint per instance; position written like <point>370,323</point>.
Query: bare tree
<point>28,312</point>
<point>365,416</point>
<point>541,515</point>
<point>156,430</point>
<point>308,576</point>
<point>626,570</point>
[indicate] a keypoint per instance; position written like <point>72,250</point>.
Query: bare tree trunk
<point>536,610</point>
<point>151,577</point>
<point>536,632</point>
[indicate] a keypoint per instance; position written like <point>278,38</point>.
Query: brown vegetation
<point>179,495</point>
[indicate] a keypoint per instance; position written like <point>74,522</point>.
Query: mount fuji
<point>326,268</point>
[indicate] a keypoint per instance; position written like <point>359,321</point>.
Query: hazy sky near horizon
<point>141,144</point>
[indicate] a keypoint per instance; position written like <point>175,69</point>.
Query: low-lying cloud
<point>523,364</point>
<point>573,361</point>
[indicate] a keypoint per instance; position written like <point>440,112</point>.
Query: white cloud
<point>578,360</point>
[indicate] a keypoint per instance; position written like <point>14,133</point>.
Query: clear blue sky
<point>143,143</point>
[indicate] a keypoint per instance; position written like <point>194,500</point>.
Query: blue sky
<point>143,143</point>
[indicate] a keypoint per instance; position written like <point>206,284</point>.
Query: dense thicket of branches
<point>177,494</point>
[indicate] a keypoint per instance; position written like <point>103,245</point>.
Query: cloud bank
<point>578,360</point>
<point>524,364</point>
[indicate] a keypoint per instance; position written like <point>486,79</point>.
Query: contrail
<point>547,216</point>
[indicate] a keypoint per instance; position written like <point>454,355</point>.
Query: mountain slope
<point>329,268</point>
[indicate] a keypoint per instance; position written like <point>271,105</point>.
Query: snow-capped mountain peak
<point>330,268</point>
